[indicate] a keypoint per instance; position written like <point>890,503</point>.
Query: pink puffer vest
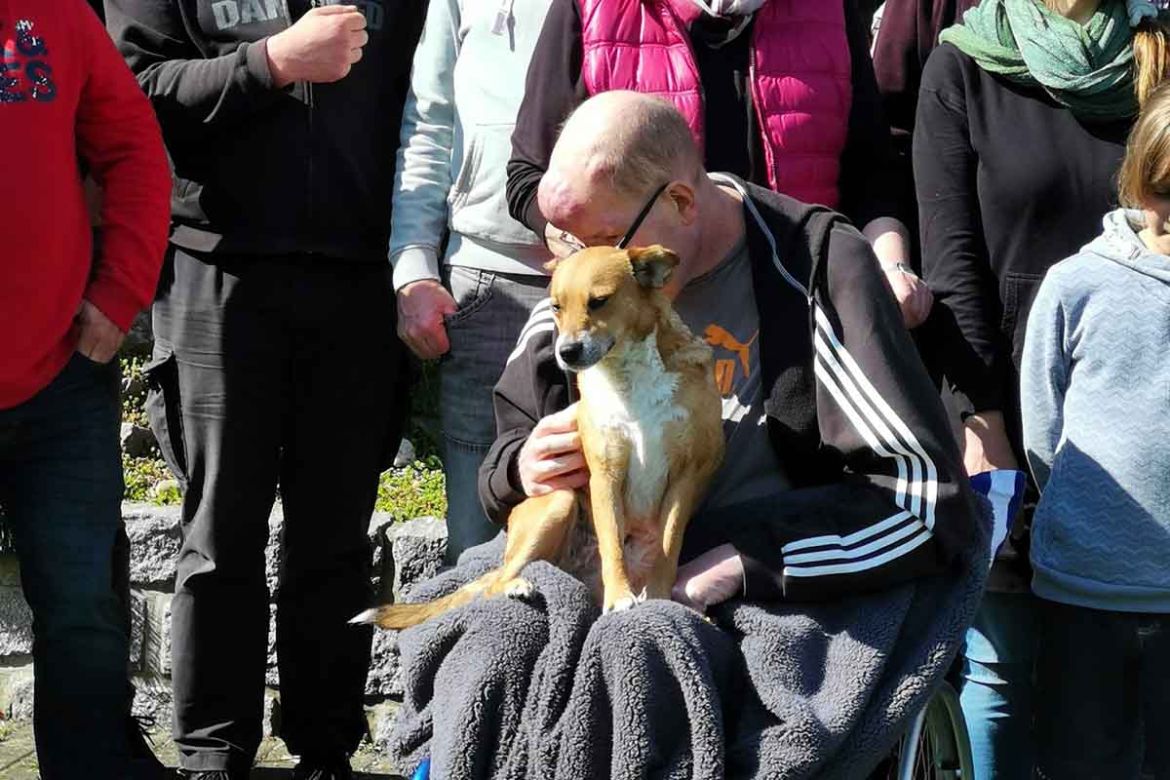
<point>801,78</point>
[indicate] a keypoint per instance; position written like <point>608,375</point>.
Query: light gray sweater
<point>1095,389</point>
<point>466,86</point>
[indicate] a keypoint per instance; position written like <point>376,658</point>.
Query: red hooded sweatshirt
<point>68,99</point>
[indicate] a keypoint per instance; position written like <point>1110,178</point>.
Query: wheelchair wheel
<point>937,746</point>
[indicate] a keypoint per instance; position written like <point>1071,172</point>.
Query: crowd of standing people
<point>1005,166</point>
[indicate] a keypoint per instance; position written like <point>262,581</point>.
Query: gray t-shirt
<point>720,306</point>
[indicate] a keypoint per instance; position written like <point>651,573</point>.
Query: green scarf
<point>1088,69</point>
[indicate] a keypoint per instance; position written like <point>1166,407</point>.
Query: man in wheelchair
<point>839,552</point>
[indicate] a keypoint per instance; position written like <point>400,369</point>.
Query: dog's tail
<point>399,616</point>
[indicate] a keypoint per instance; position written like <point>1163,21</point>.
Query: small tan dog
<point>651,431</point>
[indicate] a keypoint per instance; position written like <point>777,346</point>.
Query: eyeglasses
<point>638,220</point>
<point>569,241</point>
<point>574,244</point>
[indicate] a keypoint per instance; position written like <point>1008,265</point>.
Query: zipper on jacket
<point>686,36</point>
<point>310,189</point>
<point>755,121</point>
<point>503,16</point>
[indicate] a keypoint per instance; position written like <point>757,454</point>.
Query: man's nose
<point>571,351</point>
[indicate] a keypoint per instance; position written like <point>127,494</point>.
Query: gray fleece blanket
<point>548,688</point>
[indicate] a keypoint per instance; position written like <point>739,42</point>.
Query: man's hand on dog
<point>552,458</point>
<point>422,305</point>
<point>712,578</point>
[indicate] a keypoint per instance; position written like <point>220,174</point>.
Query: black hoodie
<point>261,170</point>
<point>879,495</point>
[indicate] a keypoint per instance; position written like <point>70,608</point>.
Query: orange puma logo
<point>717,336</point>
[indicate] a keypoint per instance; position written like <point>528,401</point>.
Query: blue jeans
<point>1102,679</point>
<point>61,484</point>
<point>996,686</point>
<point>492,311</point>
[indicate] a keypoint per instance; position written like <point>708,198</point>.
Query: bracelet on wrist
<point>899,266</point>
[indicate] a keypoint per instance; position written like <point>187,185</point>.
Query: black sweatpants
<point>266,372</point>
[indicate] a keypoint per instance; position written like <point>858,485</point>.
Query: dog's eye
<point>597,303</point>
<point>556,308</point>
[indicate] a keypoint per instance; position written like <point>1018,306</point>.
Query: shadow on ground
<point>261,773</point>
<point>285,774</point>
<point>18,760</point>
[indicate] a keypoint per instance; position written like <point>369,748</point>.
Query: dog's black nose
<point>571,351</point>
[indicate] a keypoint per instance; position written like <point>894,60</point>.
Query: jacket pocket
<point>164,410</point>
<point>478,200</point>
<point>1019,292</point>
<point>461,189</point>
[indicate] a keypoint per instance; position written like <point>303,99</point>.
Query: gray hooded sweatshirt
<point>1095,389</point>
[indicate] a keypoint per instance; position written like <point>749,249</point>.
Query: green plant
<point>416,490</point>
<point>143,477</point>
<point>134,391</point>
<point>167,493</point>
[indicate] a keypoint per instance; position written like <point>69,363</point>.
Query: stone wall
<point>402,554</point>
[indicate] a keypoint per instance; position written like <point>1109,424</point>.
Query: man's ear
<point>683,197</point>
<point>653,265</point>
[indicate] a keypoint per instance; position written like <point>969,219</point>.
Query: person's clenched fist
<point>321,47</point>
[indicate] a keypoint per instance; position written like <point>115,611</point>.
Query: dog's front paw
<point>624,602</point>
<point>519,588</point>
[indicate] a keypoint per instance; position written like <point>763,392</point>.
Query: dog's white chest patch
<point>632,397</point>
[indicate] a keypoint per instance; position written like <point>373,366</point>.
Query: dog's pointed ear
<point>551,265</point>
<point>653,265</point>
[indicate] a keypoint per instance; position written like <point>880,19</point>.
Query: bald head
<point>625,143</point>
